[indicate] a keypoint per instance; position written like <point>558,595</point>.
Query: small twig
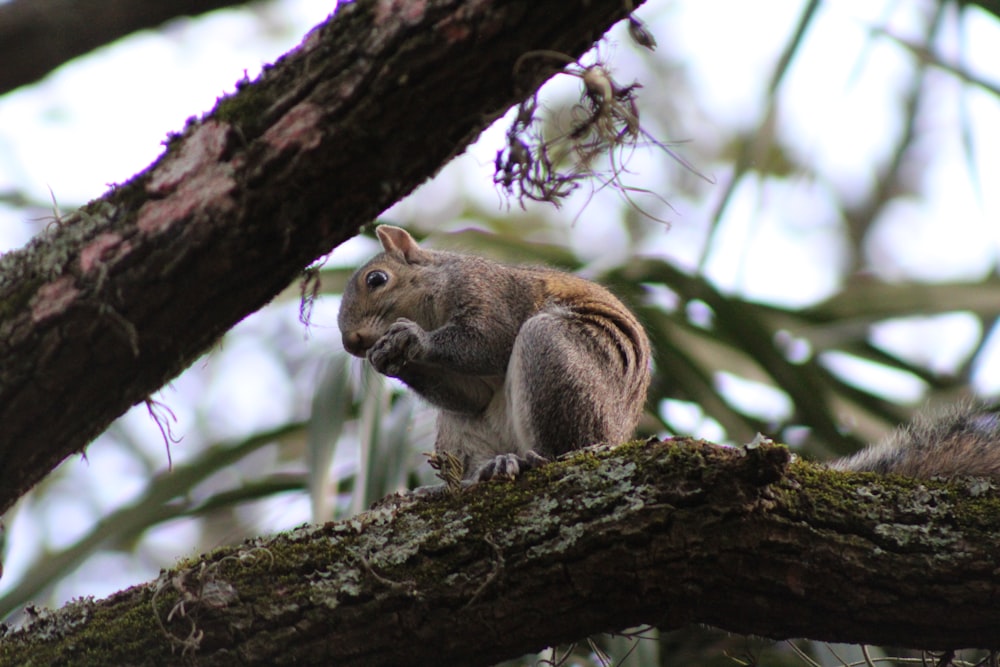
<point>408,585</point>
<point>152,406</point>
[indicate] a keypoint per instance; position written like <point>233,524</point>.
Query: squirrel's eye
<point>376,278</point>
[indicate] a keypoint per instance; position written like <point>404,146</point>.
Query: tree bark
<point>36,36</point>
<point>666,534</point>
<point>118,298</point>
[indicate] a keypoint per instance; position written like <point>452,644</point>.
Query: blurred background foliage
<point>835,271</point>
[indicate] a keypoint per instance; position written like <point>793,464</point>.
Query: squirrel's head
<point>382,291</point>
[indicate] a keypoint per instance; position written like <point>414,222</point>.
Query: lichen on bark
<point>662,533</point>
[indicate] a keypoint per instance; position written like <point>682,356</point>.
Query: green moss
<point>129,197</point>
<point>243,109</point>
<point>951,507</point>
<point>973,510</point>
<point>17,299</point>
<point>98,632</point>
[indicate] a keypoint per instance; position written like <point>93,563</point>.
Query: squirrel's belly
<point>477,439</point>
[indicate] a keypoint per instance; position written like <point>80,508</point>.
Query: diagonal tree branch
<point>668,534</point>
<point>118,298</point>
<point>36,36</point>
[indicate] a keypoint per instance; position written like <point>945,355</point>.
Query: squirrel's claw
<point>509,466</point>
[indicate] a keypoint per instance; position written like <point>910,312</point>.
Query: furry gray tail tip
<point>963,440</point>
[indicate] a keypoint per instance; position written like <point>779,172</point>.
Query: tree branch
<point>36,36</point>
<point>118,298</point>
<point>667,534</point>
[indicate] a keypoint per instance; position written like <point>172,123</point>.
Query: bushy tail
<point>963,440</point>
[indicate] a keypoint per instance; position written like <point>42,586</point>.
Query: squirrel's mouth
<point>358,342</point>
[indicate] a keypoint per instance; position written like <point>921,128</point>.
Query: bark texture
<point>118,298</point>
<point>658,533</point>
<point>36,36</point>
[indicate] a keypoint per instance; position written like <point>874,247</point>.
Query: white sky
<point>100,119</point>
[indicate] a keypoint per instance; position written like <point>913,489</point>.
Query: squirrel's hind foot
<point>509,466</point>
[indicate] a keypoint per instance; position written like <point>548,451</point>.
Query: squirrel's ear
<point>398,243</point>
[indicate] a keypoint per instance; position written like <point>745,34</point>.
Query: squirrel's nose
<point>358,342</point>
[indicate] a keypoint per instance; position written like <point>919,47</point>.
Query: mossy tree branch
<point>118,298</point>
<point>667,534</point>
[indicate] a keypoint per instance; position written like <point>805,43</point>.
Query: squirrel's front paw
<point>509,466</point>
<point>405,341</point>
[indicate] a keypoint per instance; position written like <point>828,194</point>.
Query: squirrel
<point>523,363</point>
<point>528,363</point>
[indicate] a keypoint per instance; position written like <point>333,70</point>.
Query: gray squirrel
<point>523,363</point>
<point>528,363</point>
